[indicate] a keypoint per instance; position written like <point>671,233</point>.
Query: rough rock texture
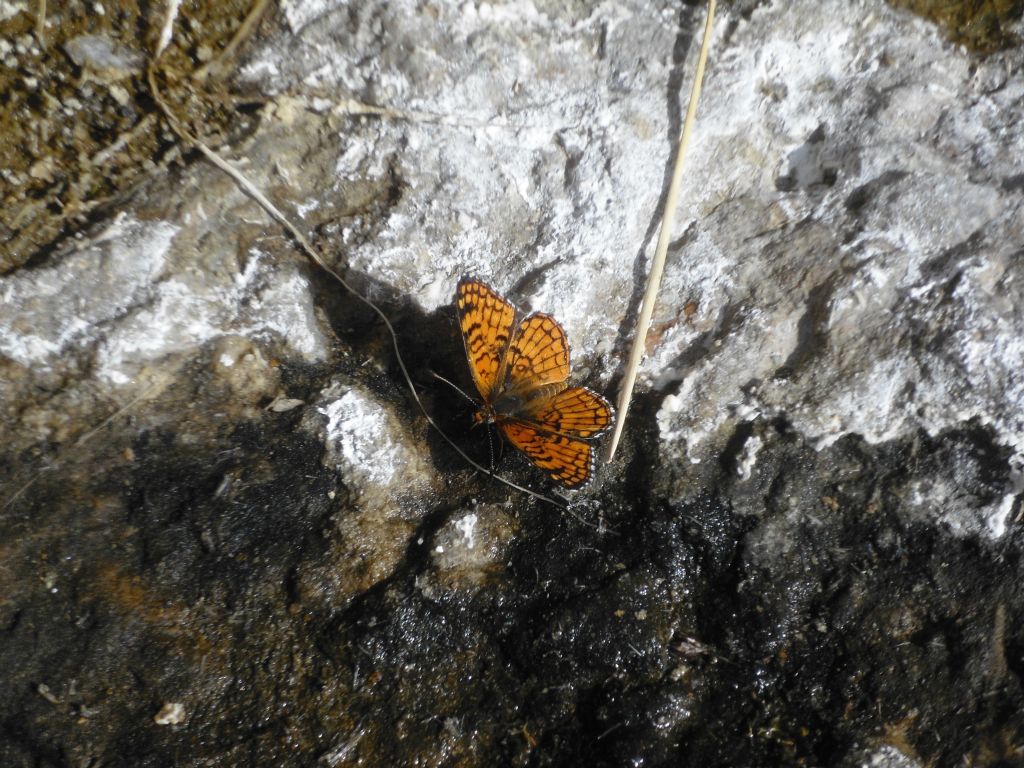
<point>228,536</point>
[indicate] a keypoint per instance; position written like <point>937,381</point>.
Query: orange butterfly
<point>521,376</point>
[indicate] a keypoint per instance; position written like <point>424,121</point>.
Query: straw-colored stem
<point>167,30</point>
<point>41,22</point>
<point>244,32</point>
<point>658,262</point>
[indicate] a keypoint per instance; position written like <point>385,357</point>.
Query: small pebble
<point>171,713</point>
<point>120,94</point>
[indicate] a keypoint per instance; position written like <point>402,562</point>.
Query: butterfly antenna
<point>490,446</point>
<point>455,387</point>
<point>501,450</point>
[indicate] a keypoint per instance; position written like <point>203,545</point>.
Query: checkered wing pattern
<point>486,321</point>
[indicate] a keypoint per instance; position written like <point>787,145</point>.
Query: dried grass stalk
<point>643,322</point>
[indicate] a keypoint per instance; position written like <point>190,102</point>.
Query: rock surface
<point>228,535</point>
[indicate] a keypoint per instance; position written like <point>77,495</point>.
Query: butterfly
<point>521,371</point>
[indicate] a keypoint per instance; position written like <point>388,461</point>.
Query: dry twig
<point>41,22</point>
<point>658,262</point>
<point>253,191</point>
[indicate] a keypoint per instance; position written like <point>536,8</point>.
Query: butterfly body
<point>521,372</point>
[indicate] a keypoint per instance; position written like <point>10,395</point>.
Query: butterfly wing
<point>575,412</point>
<point>486,321</point>
<point>538,355</point>
<point>567,460</point>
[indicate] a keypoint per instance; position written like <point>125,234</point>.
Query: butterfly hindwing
<point>575,411</point>
<point>486,320</point>
<point>567,460</point>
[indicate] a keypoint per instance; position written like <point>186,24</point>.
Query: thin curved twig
<point>250,189</point>
<point>41,22</point>
<point>85,438</point>
<point>243,33</point>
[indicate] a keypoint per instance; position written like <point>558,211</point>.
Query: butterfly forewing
<point>537,356</point>
<point>576,411</point>
<point>486,321</point>
<point>567,460</point>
